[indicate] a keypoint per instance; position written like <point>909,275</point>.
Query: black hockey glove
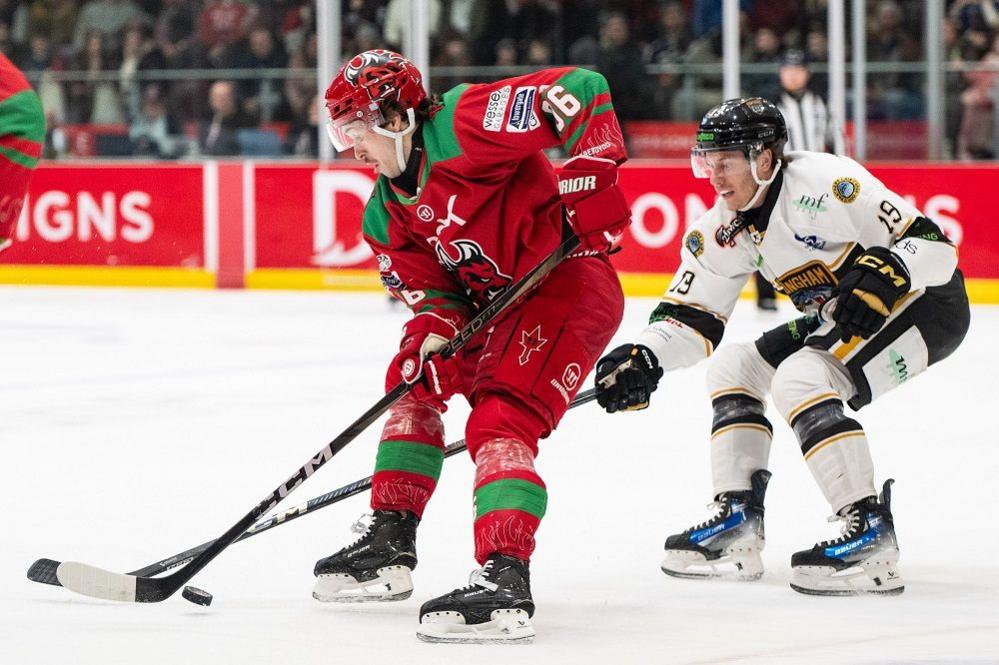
<point>868,292</point>
<point>626,377</point>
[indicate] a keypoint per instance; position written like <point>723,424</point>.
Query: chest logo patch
<point>809,276</point>
<point>813,205</point>
<point>476,271</point>
<point>846,189</point>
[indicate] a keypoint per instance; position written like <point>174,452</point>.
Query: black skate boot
<point>496,606</point>
<point>863,560</point>
<point>729,544</point>
<point>374,568</point>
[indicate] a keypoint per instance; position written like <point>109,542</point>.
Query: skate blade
<point>509,626</point>
<point>392,584</point>
<point>742,566</point>
<point>880,580</point>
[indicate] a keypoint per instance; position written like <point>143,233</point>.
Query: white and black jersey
<point>808,124</point>
<point>819,214</point>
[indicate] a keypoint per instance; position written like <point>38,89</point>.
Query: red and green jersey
<point>22,132</point>
<point>487,209</point>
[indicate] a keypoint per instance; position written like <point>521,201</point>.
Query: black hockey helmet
<point>750,124</point>
<point>743,122</point>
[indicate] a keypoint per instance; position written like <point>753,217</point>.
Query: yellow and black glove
<point>868,292</point>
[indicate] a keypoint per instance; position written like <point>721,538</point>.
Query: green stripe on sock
<point>511,494</point>
<point>410,456</point>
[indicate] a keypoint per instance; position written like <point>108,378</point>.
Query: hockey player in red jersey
<point>22,131</point>
<point>465,204</point>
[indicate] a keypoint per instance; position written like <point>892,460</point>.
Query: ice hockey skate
<point>728,545</point>
<point>863,560</point>
<point>495,607</point>
<point>375,568</point>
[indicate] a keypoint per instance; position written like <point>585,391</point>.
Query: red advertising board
<point>233,219</point>
<point>311,218</point>
<point>112,214</point>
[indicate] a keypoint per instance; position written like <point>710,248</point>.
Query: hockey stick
<point>43,571</point>
<point>99,583</point>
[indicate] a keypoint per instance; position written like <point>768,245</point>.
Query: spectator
<point>707,16</point>
<point>53,19</point>
<point>506,53</point>
<point>981,15</point>
<point>107,18</point>
<point>297,22</point>
<point>397,21</point>
<point>217,136</point>
<point>37,58</point>
<point>303,137</point>
<point>221,24</point>
<point>976,138</point>
<point>453,53</point>
<point>138,53</point>
<point>262,99</point>
<point>766,51</point>
<point>174,31</point>
<point>817,50</point>
<point>539,53</point>
<point>674,36</point>
<point>619,60</point>
<point>94,99</point>
<point>299,90</point>
<point>896,95</point>
<point>153,130</point>
<point>669,48</point>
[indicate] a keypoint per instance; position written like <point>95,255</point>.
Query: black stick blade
<point>44,572</point>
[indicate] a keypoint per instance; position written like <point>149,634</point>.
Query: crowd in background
<point>113,45</point>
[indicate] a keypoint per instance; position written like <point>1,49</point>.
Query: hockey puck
<point>197,596</point>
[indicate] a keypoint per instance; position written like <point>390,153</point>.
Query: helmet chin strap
<point>760,184</point>
<point>398,137</point>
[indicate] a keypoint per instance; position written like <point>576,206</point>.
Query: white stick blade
<point>96,582</point>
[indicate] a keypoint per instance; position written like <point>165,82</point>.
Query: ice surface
<point>137,423</point>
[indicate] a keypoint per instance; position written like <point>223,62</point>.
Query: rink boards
<point>235,224</point>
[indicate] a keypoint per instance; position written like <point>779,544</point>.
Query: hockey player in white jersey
<point>882,299</point>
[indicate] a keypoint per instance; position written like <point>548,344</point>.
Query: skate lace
<point>363,523</point>
<point>851,522</point>
<point>719,506</point>
<point>479,577</point>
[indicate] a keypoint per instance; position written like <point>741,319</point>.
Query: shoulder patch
<point>492,119</point>
<point>695,243</point>
<point>846,189</point>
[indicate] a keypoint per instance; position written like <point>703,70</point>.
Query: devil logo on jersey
<point>479,273</point>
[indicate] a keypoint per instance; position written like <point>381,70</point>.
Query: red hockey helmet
<point>356,96</point>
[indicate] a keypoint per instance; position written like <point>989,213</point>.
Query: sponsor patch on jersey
<point>384,262</point>
<point>492,119</point>
<point>522,117</point>
<point>811,242</point>
<point>846,189</point>
<point>812,275</point>
<point>695,243</point>
<point>813,205</point>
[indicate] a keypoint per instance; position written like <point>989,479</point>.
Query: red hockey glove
<point>434,379</point>
<point>597,209</point>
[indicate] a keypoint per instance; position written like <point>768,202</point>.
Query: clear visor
<point>723,163</point>
<point>348,129</point>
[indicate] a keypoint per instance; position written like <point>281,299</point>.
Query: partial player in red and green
<point>466,203</point>
<point>22,132</point>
